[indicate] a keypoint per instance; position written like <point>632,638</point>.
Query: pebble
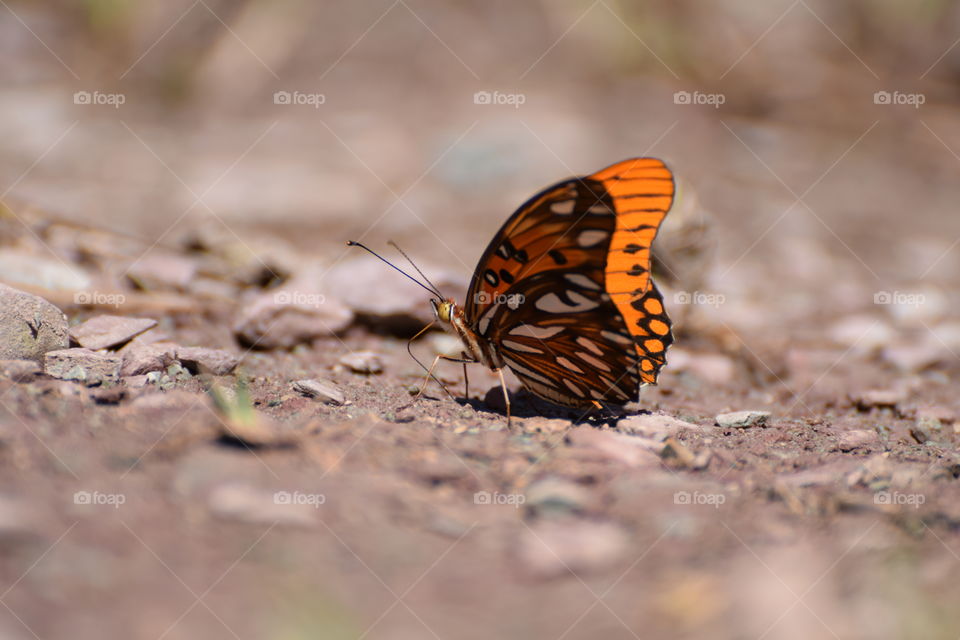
<point>913,358</point>
<point>282,319</point>
<point>365,362</point>
<point>82,365</point>
<point>862,333</point>
<point>162,270</point>
<point>655,425</point>
<point>19,370</point>
<point>369,288</point>
<point>31,270</point>
<point>539,424</point>
<point>550,496</point>
<point>141,358</point>
<point>29,326</point>
<point>673,449</point>
<point>218,362</point>
<point>743,419</point>
<point>628,450</point>
<point>858,439</point>
<point>105,332</point>
<point>878,399</point>
<point>321,390</point>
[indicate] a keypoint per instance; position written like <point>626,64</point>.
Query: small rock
<point>366,286</point>
<point>858,439</point>
<point>743,419</point>
<point>655,425</point>
<point>82,365</point>
<point>362,362</point>
<point>282,319</point>
<point>554,549</point>
<point>141,357</point>
<point>257,506</point>
<point>551,496</point>
<point>878,399</point>
<point>862,333</point>
<point>629,450</point>
<point>260,430</point>
<point>32,270</point>
<point>673,449</point>
<point>163,270</point>
<point>203,360</point>
<point>539,424</point>
<point>135,382</point>
<point>19,370</point>
<point>114,394</point>
<point>321,390</point>
<point>104,332</point>
<point>29,326</point>
<point>914,358</point>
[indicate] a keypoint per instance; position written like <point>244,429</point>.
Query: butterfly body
<point>451,316</point>
<point>563,295</point>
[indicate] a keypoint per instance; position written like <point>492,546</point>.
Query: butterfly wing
<point>563,292</point>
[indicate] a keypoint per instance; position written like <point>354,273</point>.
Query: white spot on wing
<point>533,331</point>
<point>591,237</point>
<point>576,390</point>
<point>594,362</point>
<point>566,364</point>
<point>564,207</point>
<point>589,344</point>
<point>551,303</point>
<point>519,346</point>
<point>582,281</point>
<point>616,337</point>
<point>484,322</point>
<point>520,369</point>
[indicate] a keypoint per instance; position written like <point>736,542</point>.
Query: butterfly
<point>563,294</point>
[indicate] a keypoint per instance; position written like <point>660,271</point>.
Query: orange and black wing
<point>563,293</point>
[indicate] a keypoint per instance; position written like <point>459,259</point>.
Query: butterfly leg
<point>466,380</point>
<point>506,397</point>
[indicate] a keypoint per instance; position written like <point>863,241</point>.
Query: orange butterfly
<point>563,294</point>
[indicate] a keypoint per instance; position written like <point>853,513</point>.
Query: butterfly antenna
<point>433,291</point>
<point>413,264</point>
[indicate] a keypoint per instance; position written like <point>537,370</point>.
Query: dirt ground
<point>810,264</point>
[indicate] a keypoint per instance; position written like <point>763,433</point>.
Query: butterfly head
<point>443,309</point>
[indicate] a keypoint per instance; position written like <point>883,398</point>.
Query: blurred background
<point>785,143</point>
<point>817,144</point>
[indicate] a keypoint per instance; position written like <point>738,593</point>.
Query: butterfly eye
<point>443,310</point>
